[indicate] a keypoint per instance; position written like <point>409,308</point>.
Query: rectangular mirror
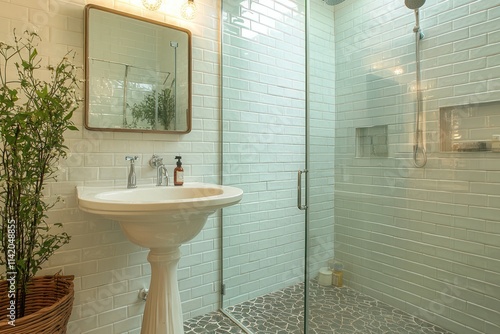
<point>138,73</point>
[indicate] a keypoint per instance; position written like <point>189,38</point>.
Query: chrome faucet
<point>161,170</point>
<point>131,180</point>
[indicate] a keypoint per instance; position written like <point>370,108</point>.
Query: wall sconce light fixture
<point>188,10</point>
<point>152,4</point>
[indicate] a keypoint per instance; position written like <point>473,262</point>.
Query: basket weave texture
<point>49,303</point>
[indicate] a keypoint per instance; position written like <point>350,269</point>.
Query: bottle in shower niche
<point>338,274</point>
<point>179,172</point>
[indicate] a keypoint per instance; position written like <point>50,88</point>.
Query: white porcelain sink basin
<point>152,200</point>
<point>161,194</point>
<point>161,219</point>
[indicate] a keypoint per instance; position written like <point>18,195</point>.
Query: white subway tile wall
<point>109,270</point>
<point>425,240</point>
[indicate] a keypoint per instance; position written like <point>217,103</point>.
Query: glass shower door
<point>263,147</point>
<point>271,130</point>
<point>320,162</point>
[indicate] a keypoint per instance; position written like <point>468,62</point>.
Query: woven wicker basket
<point>48,306</point>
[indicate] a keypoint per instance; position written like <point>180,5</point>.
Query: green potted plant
<point>157,109</point>
<point>36,106</point>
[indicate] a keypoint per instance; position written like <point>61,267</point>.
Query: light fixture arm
<point>152,4</point>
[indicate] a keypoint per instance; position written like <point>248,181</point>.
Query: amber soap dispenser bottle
<point>179,172</point>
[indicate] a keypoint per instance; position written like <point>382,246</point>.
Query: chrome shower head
<point>333,2</point>
<point>414,4</point>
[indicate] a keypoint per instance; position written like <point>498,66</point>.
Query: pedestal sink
<point>161,219</point>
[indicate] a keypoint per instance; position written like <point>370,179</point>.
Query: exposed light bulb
<point>152,4</point>
<point>188,10</point>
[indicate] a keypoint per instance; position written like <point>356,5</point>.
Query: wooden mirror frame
<point>88,126</point>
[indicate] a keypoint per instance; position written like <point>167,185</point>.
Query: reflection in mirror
<point>138,73</point>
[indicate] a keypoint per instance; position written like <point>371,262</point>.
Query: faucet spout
<point>161,169</point>
<point>161,172</point>
<point>131,180</point>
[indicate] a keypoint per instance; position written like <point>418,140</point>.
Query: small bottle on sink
<point>179,172</point>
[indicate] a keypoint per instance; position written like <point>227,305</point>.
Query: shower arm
<point>416,29</point>
<point>418,132</point>
<point>418,79</point>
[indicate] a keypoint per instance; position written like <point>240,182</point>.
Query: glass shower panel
<point>425,240</point>
<point>320,158</point>
<point>263,57</point>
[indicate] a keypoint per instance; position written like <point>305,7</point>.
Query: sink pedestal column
<point>163,312</point>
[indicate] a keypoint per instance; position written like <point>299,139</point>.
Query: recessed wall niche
<point>371,142</point>
<point>469,128</point>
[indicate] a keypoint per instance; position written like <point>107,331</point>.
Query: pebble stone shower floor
<point>333,310</point>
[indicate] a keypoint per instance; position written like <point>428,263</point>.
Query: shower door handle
<point>299,190</point>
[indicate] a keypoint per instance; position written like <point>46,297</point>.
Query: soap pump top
<point>179,172</point>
